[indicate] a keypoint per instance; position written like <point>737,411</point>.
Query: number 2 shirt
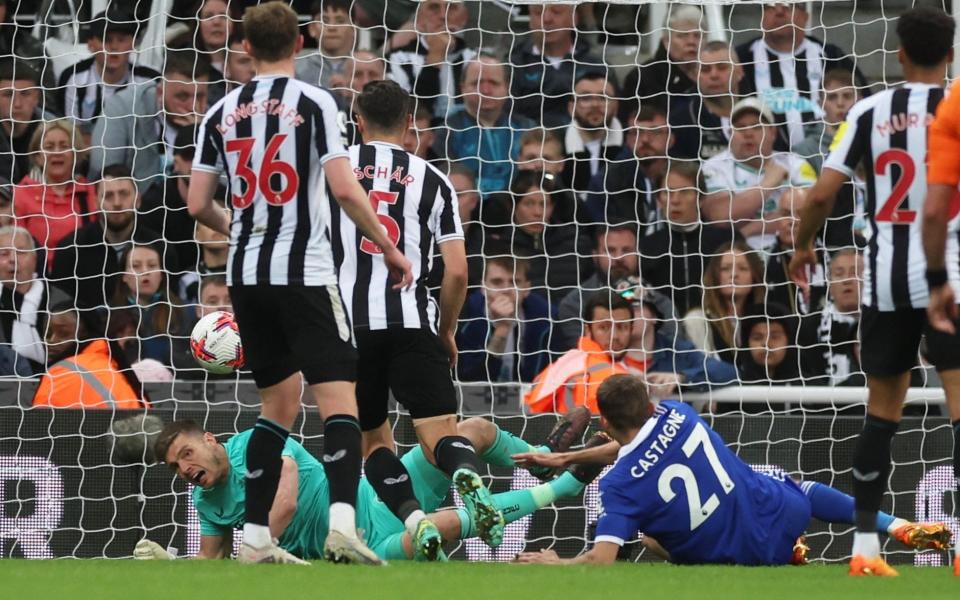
<point>679,483</point>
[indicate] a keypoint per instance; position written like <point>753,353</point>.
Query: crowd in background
<point>632,219</point>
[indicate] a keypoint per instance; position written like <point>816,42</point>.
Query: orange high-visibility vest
<point>573,380</point>
<point>90,379</point>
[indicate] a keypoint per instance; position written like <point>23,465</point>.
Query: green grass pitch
<point>227,580</point>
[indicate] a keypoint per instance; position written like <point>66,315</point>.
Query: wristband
<point>936,278</point>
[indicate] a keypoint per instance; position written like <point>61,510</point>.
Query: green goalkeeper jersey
<point>221,508</point>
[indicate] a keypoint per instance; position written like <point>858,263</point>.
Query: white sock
<point>257,536</point>
<point>343,519</point>
<point>413,520</point>
<point>866,545</point>
<point>896,524</point>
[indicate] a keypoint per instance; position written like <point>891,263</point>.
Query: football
<point>215,343</point>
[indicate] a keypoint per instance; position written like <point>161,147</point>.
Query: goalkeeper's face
<point>197,459</point>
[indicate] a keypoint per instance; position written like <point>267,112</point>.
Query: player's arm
<point>200,204</point>
<point>350,196</point>
<point>453,292</point>
<point>602,553</point>
<point>285,502</point>
<point>601,455</point>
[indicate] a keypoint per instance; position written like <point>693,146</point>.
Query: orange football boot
<point>871,567</point>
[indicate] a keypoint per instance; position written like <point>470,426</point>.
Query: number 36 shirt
<point>679,483</point>
<point>886,135</point>
<point>272,137</point>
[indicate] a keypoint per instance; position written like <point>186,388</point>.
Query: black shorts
<point>285,329</point>
<point>410,362</point>
<point>890,342</point>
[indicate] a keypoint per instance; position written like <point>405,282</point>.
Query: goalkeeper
<point>675,480</point>
<point>299,513</point>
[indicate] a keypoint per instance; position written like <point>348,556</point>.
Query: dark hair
<point>170,432</point>
<point>236,36</point>
<point>525,180</point>
<point>272,30</point>
<point>840,75</point>
<point>512,264</point>
<point>186,62</point>
<point>117,171</point>
<point>165,320</point>
<point>16,69</point>
<point>648,113</point>
<point>768,314</point>
<point>594,74</point>
<point>606,299</point>
<point>604,231</point>
<point>115,19</point>
<point>926,35</point>
<point>208,280</point>
<point>384,105</point>
<point>624,402</point>
<point>319,6</point>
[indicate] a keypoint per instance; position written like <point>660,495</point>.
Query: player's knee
<point>479,431</point>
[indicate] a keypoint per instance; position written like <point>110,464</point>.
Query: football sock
<point>871,469</point>
<point>341,463</point>
<point>517,504</point>
<point>455,452</point>
<point>506,445</point>
<point>833,506</point>
<point>262,477</point>
<point>391,481</point>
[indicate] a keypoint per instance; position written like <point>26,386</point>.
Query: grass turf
<point>227,580</point>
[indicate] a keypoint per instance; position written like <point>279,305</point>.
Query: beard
<point>119,221</point>
<point>591,123</point>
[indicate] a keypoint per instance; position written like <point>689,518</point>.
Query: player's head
<point>193,454</point>
<point>118,197</point>
<point>719,70</point>
<point>840,93</point>
<point>383,109</point>
<point>615,254</point>
<point>926,37</point>
<point>624,404</point>
<point>214,295</point>
<point>679,198</point>
<point>272,31</point>
<point>608,321</point>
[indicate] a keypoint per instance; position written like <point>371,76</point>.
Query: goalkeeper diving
<point>697,502</point>
<point>298,518</point>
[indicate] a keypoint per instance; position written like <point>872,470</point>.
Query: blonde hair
<point>66,125</point>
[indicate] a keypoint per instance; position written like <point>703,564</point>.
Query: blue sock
<point>833,506</point>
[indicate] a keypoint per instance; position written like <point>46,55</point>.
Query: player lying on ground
<point>674,479</point>
<point>299,515</point>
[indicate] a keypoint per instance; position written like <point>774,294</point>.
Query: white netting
<point>127,264</point>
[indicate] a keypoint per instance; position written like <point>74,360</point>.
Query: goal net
<point>593,147</point>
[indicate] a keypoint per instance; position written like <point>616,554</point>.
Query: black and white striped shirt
<point>83,91</point>
<point>417,206</point>
<point>790,83</point>
<point>273,136</point>
<point>886,134</point>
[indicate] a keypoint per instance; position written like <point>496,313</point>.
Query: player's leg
<point>889,343</point>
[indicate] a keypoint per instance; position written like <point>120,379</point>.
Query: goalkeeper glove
<point>148,550</point>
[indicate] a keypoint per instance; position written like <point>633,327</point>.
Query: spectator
<point>53,201</point>
<point>670,76</point>
<point>20,116</point>
<point>238,68</point>
<point>214,295</point>
<point>6,203</point>
<point>485,135</point>
<point>768,336</point>
<point>421,137</point>
<point>784,66</point>
<point>573,379</point>
<point>594,135</point>
<point>214,248</point>
<point>615,261</point>
<point>86,371</point>
<point>359,70</point>
<point>672,259</point>
<point>623,189</point>
<point>128,132</point>
<point>392,14</point>
<point>214,27</point>
<point>666,364</point>
<point>160,323</point>
<point>780,287</point>
<point>541,150</point>
<point>732,282</point>
<point>744,183</point>
<point>87,265</point>
<point>430,66</point>
<point>834,351</point>
<point>505,332</point>
<point>542,232</point>
<point>336,36</point>
<point>702,125</point>
<point>86,85</point>
<point>840,93</point>
<point>547,62</point>
<point>468,200</point>
<point>24,299</point>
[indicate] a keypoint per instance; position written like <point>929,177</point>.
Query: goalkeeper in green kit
<point>298,517</point>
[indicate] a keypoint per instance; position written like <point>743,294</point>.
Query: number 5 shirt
<point>886,135</point>
<point>678,483</point>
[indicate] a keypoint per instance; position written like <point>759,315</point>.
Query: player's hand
<point>552,460</point>
<point>449,342</point>
<point>797,271</point>
<point>942,309</point>
<point>544,557</point>
<point>149,550</point>
<point>399,266</point>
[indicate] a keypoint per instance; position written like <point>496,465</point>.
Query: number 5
<point>376,198</point>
